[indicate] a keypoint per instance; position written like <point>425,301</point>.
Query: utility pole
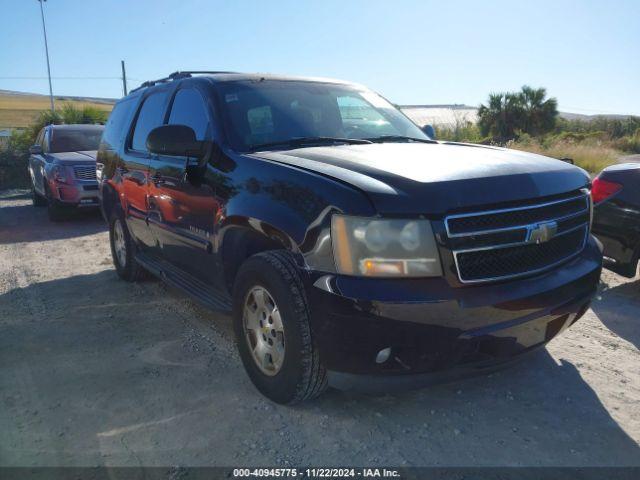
<point>124,78</point>
<point>46,49</point>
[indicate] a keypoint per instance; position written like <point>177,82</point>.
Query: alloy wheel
<point>119,243</point>
<point>264,331</point>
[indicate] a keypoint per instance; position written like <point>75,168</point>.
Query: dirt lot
<point>95,371</point>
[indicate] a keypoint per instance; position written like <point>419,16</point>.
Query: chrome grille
<point>85,172</point>
<point>512,242</point>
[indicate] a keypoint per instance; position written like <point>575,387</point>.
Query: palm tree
<point>527,111</point>
<point>539,115</point>
<point>500,118</point>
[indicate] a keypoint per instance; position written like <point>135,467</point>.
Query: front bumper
<point>436,331</point>
<point>82,194</point>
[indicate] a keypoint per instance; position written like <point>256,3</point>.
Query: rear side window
<point>45,140</point>
<point>189,109</point>
<point>117,123</point>
<point>40,137</point>
<point>151,116</point>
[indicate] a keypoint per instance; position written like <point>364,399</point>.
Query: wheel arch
<point>242,237</point>
<point>109,200</point>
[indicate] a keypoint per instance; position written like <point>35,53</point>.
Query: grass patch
<point>21,111</point>
<point>592,150</point>
<point>592,157</point>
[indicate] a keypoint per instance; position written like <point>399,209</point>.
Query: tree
<point>508,114</point>
<point>500,118</point>
<point>538,115</point>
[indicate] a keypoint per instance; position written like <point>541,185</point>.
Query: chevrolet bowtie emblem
<point>541,232</point>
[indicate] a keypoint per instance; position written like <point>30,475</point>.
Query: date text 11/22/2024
<point>316,472</point>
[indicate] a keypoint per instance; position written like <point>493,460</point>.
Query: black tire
<point>302,375</point>
<point>631,269</point>
<point>131,270</point>
<point>628,270</point>
<point>37,199</point>
<point>55,211</point>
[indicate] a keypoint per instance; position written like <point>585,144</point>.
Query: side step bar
<point>204,294</point>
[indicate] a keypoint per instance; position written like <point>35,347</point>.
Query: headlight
<point>384,248</point>
<point>60,173</point>
<point>99,168</point>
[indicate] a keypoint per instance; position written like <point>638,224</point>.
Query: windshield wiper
<point>298,142</point>
<point>399,138</point>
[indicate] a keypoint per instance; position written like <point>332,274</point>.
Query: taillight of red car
<point>603,189</point>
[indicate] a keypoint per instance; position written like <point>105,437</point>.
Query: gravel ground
<point>96,371</point>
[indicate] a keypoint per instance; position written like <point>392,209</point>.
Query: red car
<point>62,166</point>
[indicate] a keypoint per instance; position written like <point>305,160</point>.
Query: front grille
<point>510,261</point>
<point>504,219</point>
<point>518,241</point>
<point>85,172</point>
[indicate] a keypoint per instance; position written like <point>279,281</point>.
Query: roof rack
<point>176,76</point>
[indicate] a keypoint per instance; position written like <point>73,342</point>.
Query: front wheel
<point>37,199</point>
<point>271,324</point>
<point>123,251</point>
<point>55,211</point>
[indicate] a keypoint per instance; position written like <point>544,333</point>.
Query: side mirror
<point>568,160</point>
<point>177,140</point>
<point>35,150</point>
<point>429,131</point>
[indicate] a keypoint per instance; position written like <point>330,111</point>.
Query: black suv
<point>353,249</point>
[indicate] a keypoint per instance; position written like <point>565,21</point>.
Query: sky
<point>585,53</point>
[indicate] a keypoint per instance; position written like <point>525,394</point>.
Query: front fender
<point>290,205</point>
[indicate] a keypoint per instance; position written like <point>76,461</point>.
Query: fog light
<point>383,355</point>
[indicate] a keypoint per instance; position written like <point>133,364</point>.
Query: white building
<point>440,115</point>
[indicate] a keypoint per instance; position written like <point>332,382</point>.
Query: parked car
<point>355,253</point>
<point>616,216</point>
<point>62,166</point>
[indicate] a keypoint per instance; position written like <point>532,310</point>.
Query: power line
<point>65,78</point>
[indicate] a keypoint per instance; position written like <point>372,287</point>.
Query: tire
<point>37,199</point>
<point>631,269</point>
<point>300,375</point>
<point>628,270</point>
<point>55,211</point>
<point>124,260</point>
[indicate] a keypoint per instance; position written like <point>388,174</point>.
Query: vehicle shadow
<point>618,308</point>
<point>26,223</point>
<point>538,413</point>
<point>132,374</point>
<point>15,194</point>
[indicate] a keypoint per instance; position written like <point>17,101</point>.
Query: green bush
<point>461,131</point>
<point>630,143</point>
<point>613,127</point>
<point>13,161</point>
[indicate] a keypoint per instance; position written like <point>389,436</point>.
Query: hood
<point>437,178</point>
<point>74,158</point>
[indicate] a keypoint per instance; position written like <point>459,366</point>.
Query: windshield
<point>70,140</point>
<point>268,113</point>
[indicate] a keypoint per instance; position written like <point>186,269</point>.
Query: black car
<point>352,249</point>
<point>616,216</point>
